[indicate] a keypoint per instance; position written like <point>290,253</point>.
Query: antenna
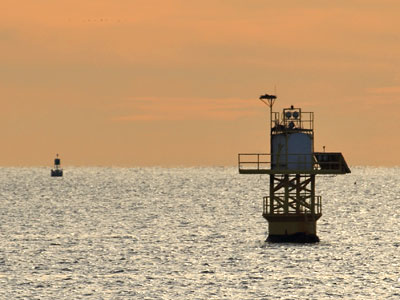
<point>269,100</point>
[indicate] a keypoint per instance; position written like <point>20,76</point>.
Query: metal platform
<point>318,163</point>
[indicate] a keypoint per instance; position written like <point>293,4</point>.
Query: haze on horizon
<point>176,83</point>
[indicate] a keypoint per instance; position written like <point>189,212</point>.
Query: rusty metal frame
<point>292,195</point>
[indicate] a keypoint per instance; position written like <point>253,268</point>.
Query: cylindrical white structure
<point>291,151</point>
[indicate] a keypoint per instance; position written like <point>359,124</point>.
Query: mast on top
<point>269,100</point>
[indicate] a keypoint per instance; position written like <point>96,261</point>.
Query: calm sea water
<point>191,233</point>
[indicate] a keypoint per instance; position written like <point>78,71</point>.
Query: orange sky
<point>176,83</point>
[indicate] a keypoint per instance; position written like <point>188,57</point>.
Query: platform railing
<point>280,124</point>
<point>320,162</point>
<point>291,210</point>
<point>256,161</point>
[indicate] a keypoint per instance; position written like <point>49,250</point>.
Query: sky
<point>176,83</point>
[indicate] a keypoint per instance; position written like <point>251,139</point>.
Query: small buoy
<point>57,171</point>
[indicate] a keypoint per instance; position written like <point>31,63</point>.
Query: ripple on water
<point>191,233</point>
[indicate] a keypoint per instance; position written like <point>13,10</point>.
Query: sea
<point>191,233</point>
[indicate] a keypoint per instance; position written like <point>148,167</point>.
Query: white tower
<point>292,208</point>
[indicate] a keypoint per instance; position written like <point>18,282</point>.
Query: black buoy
<point>57,171</point>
